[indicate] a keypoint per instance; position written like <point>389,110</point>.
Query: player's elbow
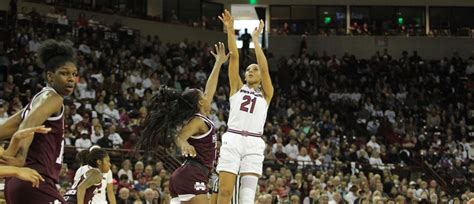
<point>234,55</point>
<point>17,163</point>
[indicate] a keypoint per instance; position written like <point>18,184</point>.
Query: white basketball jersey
<point>248,110</point>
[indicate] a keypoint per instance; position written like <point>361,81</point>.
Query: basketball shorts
<point>241,154</point>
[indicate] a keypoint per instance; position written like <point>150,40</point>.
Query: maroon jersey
<point>45,155</point>
<point>71,195</point>
<point>205,145</point>
<point>46,151</point>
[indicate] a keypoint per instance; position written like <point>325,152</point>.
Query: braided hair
<point>169,109</point>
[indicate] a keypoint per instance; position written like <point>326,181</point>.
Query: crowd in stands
<point>336,128</point>
<point>355,28</point>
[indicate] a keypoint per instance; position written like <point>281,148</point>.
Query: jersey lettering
<point>247,100</point>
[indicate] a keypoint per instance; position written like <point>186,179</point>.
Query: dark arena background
<point>373,99</point>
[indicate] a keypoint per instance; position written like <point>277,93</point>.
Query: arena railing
<point>117,155</point>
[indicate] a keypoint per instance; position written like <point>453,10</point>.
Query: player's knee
<point>225,192</point>
<point>248,188</point>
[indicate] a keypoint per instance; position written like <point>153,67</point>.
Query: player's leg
<point>248,188</point>
<point>213,199</point>
<point>226,186</point>
<point>251,169</point>
<point>228,165</point>
<point>214,191</point>
<point>236,192</point>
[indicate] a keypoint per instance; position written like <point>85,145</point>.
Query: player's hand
<point>258,30</point>
<point>220,55</point>
<point>28,132</point>
<point>227,20</point>
<point>30,175</point>
<point>188,150</point>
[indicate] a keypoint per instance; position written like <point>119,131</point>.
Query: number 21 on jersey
<point>248,101</point>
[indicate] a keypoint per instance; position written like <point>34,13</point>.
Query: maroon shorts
<point>21,192</point>
<point>188,180</point>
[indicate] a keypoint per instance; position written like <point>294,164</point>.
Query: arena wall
<point>363,46</point>
<point>354,2</point>
<point>366,46</point>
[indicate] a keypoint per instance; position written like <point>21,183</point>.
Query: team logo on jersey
<point>200,186</point>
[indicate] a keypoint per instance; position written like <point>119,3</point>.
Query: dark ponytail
<point>82,156</point>
<point>168,110</point>
<point>90,157</point>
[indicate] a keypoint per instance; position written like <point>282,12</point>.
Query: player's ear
<point>49,76</point>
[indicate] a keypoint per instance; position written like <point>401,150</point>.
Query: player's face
<point>105,167</point>
<point>252,74</point>
<point>63,79</point>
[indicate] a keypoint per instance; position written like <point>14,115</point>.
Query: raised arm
<point>234,76</point>
<point>45,106</point>
<point>263,64</point>
<point>211,84</point>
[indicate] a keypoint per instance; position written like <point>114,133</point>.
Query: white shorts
<point>241,154</point>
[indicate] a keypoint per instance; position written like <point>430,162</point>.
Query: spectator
<point>125,170</point>
<point>291,149</point>
<point>3,113</point>
<point>83,142</point>
<point>105,142</point>
<point>100,106</point>
<point>150,196</point>
<point>280,156</point>
<point>375,160</point>
<point>139,166</point>
<point>141,185</point>
<point>303,159</point>
<point>245,37</point>
<point>97,131</point>
<point>114,137</point>
<point>373,144</point>
<point>158,167</point>
<point>110,113</point>
<point>124,196</point>
<point>351,196</point>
